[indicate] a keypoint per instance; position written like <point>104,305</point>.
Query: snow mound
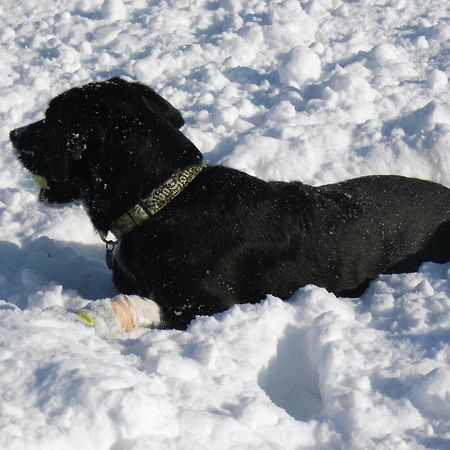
<point>316,367</point>
<point>300,66</point>
<point>113,10</point>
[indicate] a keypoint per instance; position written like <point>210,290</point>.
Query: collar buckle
<point>110,246</point>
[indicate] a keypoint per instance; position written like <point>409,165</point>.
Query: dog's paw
<point>147,312</point>
<point>122,313</point>
<point>100,315</point>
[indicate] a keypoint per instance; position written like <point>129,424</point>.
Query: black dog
<point>213,236</point>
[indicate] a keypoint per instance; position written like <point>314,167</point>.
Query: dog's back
<point>378,224</point>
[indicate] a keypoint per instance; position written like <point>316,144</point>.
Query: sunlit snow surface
<point>317,91</point>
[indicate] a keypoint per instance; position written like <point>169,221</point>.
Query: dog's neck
<point>155,201</point>
<point>109,201</point>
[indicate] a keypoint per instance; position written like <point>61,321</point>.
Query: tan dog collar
<point>157,199</point>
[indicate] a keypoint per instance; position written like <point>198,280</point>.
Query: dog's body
<point>228,237</point>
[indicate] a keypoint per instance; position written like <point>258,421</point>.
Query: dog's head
<point>95,134</point>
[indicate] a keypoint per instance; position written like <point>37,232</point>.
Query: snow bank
<point>317,91</point>
<point>314,372</point>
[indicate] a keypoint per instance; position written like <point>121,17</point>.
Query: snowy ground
<point>314,90</point>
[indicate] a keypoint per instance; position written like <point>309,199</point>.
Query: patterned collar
<point>157,199</point>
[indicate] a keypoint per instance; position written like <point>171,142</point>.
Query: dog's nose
<point>32,130</point>
<point>12,135</point>
<point>15,134</point>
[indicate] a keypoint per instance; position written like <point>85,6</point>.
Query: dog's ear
<point>154,101</point>
<point>160,105</point>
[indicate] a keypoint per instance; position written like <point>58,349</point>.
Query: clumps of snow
<point>427,118</point>
<point>419,304</point>
<point>349,89</point>
<point>290,24</point>
<point>437,80</point>
<point>383,54</point>
<point>431,395</point>
<point>146,70</point>
<point>300,66</point>
<point>113,10</point>
<point>50,297</point>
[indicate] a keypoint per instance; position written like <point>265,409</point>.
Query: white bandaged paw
<point>122,313</point>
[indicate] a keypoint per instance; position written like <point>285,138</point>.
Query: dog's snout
<point>23,134</point>
<point>13,134</point>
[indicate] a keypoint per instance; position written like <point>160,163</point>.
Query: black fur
<point>228,237</point>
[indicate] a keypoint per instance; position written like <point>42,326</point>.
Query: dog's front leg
<point>122,313</point>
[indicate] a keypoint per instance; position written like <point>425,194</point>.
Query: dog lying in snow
<point>196,239</point>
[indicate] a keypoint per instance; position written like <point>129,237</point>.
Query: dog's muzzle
<point>20,136</point>
<point>14,135</point>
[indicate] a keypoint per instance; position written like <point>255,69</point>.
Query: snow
<point>301,65</point>
<point>317,91</point>
<point>113,10</point>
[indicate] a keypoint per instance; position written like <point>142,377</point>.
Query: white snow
<point>314,90</point>
<point>113,10</point>
<point>300,66</point>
